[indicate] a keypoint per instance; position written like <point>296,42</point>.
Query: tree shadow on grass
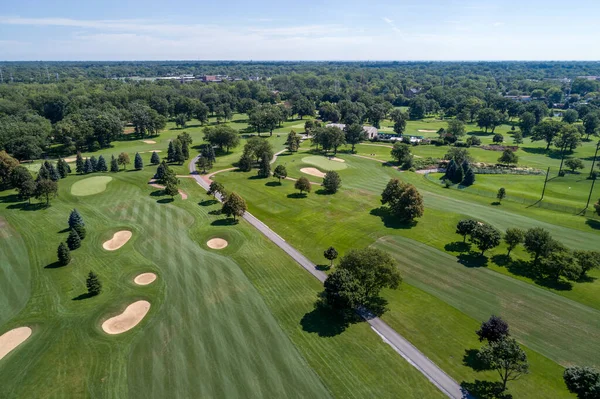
<point>215,212</point>
<point>165,200</point>
<point>25,206</point>
<point>257,177</point>
<point>391,221</point>
<point>10,198</point>
<point>208,202</point>
<point>501,259</point>
<point>322,267</point>
<point>325,322</point>
<point>322,191</point>
<point>554,154</point>
<point>485,389</point>
<point>83,296</point>
<point>273,184</point>
<point>472,259</point>
<point>496,203</point>
<point>471,360</point>
<point>526,269</point>
<point>157,193</point>
<point>225,222</point>
<point>594,224</point>
<point>54,265</point>
<point>458,246</point>
<point>65,230</point>
<point>297,195</point>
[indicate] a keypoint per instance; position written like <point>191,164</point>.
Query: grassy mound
<point>90,186</point>
<point>324,163</point>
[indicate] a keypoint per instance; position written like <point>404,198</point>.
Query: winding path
<point>410,353</point>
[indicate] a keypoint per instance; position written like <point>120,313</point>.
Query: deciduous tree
<point>485,237</point>
<point>332,181</point>
<point>330,254</point>
<point>583,381</point>
<point>303,184</point>
<point>512,238</point>
<point>234,206</point>
<point>507,358</point>
<point>280,173</point>
<point>123,160</point>
<point>465,227</point>
<point>493,330</point>
<point>403,199</point>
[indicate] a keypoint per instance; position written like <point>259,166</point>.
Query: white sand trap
<point>217,243</point>
<point>131,317</point>
<point>313,172</point>
<point>336,159</point>
<point>427,131</point>
<point>119,239</point>
<point>149,141</point>
<point>69,160</point>
<point>13,338</point>
<point>145,278</point>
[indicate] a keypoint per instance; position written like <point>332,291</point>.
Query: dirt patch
<point>427,131</point>
<point>131,317</point>
<point>149,141</point>
<point>13,338</point>
<point>336,159</point>
<point>313,172</point>
<point>183,194</point>
<point>144,278</point>
<point>217,243</point>
<point>119,239</point>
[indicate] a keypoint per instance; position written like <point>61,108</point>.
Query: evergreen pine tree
<point>185,149</point>
<point>43,173</point>
<point>62,168</point>
<point>101,166</point>
<point>160,171</point>
<point>154,159</point>
<point>469,175</point>
<point>171,189</point>
<point>94,163</point>
<point>264,169</point>
<point>114,166</point>
<point>80,229</point>
<point>79,163</point>
<point>68,167</point>
<point>245,163</point>
<point>93,284</point>
<point>171,152</point>
<point>52,172</point>
<point>75,219</point>
<point>73,240</point>
<point>87,166</point>
<point>64,255</point>
<point>178,155</point>
<point>138,163</point>
<point>459,175</point>
<point>450,170</point>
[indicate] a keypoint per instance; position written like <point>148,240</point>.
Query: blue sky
<point>301,30</point>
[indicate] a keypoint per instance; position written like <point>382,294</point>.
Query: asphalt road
<point>437,376</point>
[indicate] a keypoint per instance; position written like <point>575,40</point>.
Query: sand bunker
<point>217,243</point>
<point>145,278</point>
<point>427,131</point>
<point>336,159</point>
<point>125,321</point>
<point>69,160</point>
<point>313,172</point>
<point>13,338</point>
<point>119,239</point>
<point>149,141</point>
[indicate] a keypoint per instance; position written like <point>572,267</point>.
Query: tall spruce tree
<point>101,167</point>
<point>138,163</point>
<point>154,159</point>
<point>81,232</point>
<point>62,168</point>
<point>73,240</point>
<point>75,219</point>
<point>87,166</point>
<point>64,255</point>
<point>93,284</point>
<point>43,173</point>
<point>264,169</point>
<point>94,163</point>
<point>114,165</point>
<point>79,163</point>
<point>171,152</point>
<point>52,172</point>
<point>469,175</point>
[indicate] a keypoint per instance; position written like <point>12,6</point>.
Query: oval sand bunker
<point>125,321</point>
<point>13,338</point>
<point>217,243</point>
<point>312,172</point>
<point>119,239</point>
<point>145,278</point>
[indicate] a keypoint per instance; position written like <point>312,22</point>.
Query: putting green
<point>324,163</point>
<point>90,186</point>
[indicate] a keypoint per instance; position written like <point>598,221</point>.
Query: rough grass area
<point>90,186</point>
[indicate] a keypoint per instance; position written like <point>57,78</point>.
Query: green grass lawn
<point>222,323</point>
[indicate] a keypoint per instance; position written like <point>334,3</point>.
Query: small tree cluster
<point>216,188</point>
<point>583,381</point>
<point>401,153</point>
<point>403,200</point>
<point>459,173</point>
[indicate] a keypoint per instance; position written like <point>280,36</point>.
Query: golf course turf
<point>90,185</point>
